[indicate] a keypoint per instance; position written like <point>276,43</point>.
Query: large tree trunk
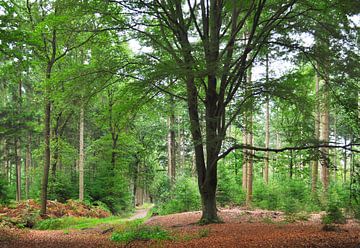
<point>314,168</point>
<point>81,154</point>
<point>171,143</point>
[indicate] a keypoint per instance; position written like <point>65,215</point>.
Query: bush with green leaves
<point>229,192</point>
<point>140,232</point>
<point>4,190</point>
<point>184,196</point>
<point>334,215</point>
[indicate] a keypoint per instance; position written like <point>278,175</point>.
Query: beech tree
<point>202,37</point>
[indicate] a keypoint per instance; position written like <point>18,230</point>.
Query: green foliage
<point>4,191</point>
<point>184,196</point>
<point>60,188</point>
<point>291,196</point>
<point>229,192</point>
<point>140,232</point>
<point>334,215</point>
<point>75,222</point>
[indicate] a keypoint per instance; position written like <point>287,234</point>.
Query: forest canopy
<point>187,104</point>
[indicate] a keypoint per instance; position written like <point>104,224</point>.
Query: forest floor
<point>241,228</point>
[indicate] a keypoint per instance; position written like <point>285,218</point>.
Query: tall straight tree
<point>54,36</point>
<point>81,153</point>
<point>171,142</point>
<point>267,125</point>
<point>315,167</point>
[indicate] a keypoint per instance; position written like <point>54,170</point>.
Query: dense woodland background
<point>92,94</point>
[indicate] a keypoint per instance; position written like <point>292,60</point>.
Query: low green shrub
<point>140,232</point>
<point>4,190</point>
<point>334,215</point>
<point>184,197</point>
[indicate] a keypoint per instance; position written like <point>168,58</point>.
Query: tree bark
<point>245,159</point>
<point>249,180</point>
<point>47,129</point>
<point>18,168</point>
<point>171,143</point>
<point>267,126</point>
<point>345,162</point>
<point>267,142</point>
<point>81,154</point>
<point>335,150</point>
<point>324,136</point>
<point>27,166</point>
<point>315,163</point>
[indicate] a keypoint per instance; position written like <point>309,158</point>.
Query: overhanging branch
<point>290,148</point>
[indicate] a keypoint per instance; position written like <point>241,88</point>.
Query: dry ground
<point>241,228</point>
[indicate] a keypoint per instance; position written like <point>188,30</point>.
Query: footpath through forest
<point>241,228</point>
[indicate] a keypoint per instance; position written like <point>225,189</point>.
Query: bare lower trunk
<point>345,164</point>
<point>27,167</point>
<point>249,179</point>
<point>315,163</point>
<point>171,144</point>
<point>18,168</point>
<point>45,178</point>
<point>208,198</point>
<point>324,137</point>
<point>335,151</point>
<point>267,142</point>
<point>81,155</point>
<point>5,159</point>
<point>244,163</point>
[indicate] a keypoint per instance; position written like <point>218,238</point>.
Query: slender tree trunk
<point>324,136</point>
<point>335,151</point>
<point>245,159</point>
<point>18,168</point>
<point>345,162</point>
<point>267,126</point>
<point>27,167</point>
<point>249,180</point>
<point>291,166</point>
<point>47,126</point>
<point>315,163</point>
<point>4,172</point>
<point>171,143</point>
<point>81,154</point>
<point>6,161</point>
<point>267,141</point>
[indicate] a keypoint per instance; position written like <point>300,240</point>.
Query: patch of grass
<point>140,232</point>
<point>268,220</point>
<point>75,222</point>
<point>294,217</point>
<point>202,233</point>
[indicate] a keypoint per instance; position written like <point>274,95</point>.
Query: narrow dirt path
<point>139,214</point>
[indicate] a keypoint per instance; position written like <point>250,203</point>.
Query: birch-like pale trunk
<point>81,154</point>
